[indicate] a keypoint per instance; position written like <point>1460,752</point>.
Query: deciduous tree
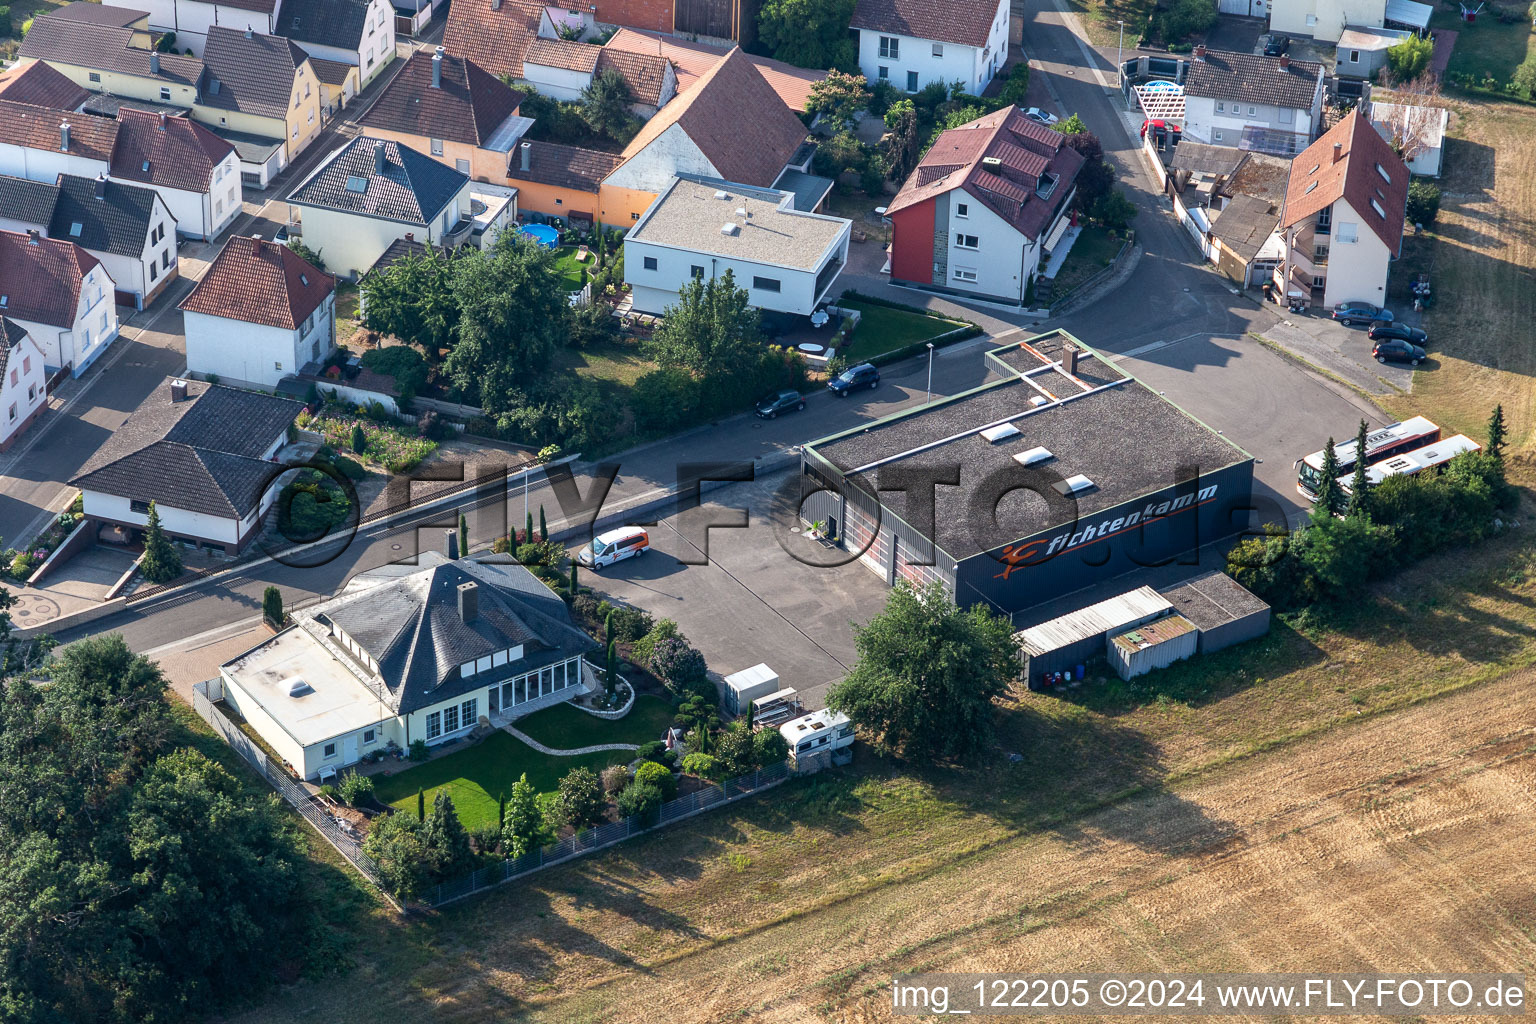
<point>524,830</point>
<point>809,33</point>
<point>839,97</point>
<point>579,801</point>
<point>711,329</point>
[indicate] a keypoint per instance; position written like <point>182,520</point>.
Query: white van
<point>614,546</point>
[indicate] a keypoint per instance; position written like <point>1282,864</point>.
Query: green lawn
<point>478,776</point>
<point>566,728</point>
<point>1090,254</point>
<point>1486,48</point>
<point>618,362</point>
<point>573,273</point>
<point>882,329</point>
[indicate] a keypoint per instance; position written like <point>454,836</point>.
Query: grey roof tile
<point>118,222</point>
<point>252,74</point>
<point>412,188</point>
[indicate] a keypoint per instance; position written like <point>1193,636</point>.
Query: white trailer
<point>816,733</point>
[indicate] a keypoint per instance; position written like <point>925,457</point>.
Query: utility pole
<point>930,374</point>
<point>1120,51</point>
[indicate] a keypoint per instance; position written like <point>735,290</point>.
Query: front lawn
<point>566,728</point>
<point>479,775</point>
<point>573,272</point>
<point>1090,254</point>
<point>1486,49</point>
<point>884,329</point>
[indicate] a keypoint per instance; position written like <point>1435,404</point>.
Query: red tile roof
<point>180,152</point>
<point>572,167</point>
<point>40,279</point>
<point>567,54</point>
<point>468,107</point>
<point>41,85</point>
<point>1364,170</point>
<point>967,22</point>
<point>1024,151</point>
<point>260,283</point>
<point>692,60</point>
<point>23,124</point>
<point>493,33</point>
<point>715,114</point>
<point>645,74</point>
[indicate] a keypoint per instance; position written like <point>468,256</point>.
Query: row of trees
<point>1375,530</point>
<point>143,881</point>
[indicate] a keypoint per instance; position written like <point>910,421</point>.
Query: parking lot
<point>752,599</point>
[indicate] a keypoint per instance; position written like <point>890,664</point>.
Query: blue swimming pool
<point>545,235</point>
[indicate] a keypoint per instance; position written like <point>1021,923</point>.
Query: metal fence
<point>607,835</point>
<point>347,842</point>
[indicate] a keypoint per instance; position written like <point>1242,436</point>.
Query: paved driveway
<point>754,600</point>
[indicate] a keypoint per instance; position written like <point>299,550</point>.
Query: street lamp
<point>930,374</point>
<point>1120,50</point>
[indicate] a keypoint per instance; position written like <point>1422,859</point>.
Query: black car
<point>1277,45</point>
<point>1397,351</point>
<point>862,376</point>
<point>784,401</point>
<point>1397,332</point>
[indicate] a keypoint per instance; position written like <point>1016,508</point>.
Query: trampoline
<point>543,234</point>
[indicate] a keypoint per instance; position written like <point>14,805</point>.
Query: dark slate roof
<point>200,455</point>
<point>1246,224</point>
<point>252,75</point>
<point>88,12</point>
<point>30,202</point>
<point>117,223</point>
<point>947,21</point>
<point>411,627</point>
<point>338,23</point>
<point>399,249</point>
<point>104,48</point>
<point>180,152</point>
<point>552,163</point>
<point>331,72</point>
<point>412,188</point>
<point>11,334</point>
<point>1252,78</point>
<point>39,83</point>
<point>467,107</point>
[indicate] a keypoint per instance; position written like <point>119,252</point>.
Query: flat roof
<point>1409,12</point>
<point>1150,634</point>
<point>808,189</point>
<point>688,215</point>
<point>339,703</point>
<point>1104,425</point>
<point>1095,620</point>
<point>1213,599</point>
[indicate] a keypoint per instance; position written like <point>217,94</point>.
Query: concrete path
<point>541,748</point>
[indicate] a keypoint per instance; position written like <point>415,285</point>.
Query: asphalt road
<point>1175,324</point>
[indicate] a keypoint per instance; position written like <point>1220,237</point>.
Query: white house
<point>370,193</point>
<point>423,652</point>
<point>1269,104</point>
<point>60,294</point>
<point>914,43</point>
<point>195,171</point>
<point>260,313</point>
<point>1343,216</point>
<point>191,19</point>
<point>23,386</point>
<point>702,228</point>
<point>1418,132</point>
<point>41,144</point>
<point>1327,19</point>
<point>203,453</point>
<point>986,204</point>
<point>356,32</point>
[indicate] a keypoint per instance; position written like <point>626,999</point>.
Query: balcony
<point>459,233</point>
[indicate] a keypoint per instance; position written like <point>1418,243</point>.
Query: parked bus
<point>1393,439</point>
<point>1433,457</point>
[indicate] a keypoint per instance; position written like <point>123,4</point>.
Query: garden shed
<point>742,688</point>
<point>1152,645</point>
<point>1223,610</point>
<point>1070,640</point>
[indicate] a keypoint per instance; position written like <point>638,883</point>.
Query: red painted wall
<point>912,244</point>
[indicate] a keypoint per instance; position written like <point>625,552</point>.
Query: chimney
<point>33,236</point>
<point>247,31</point>
<point>1069,356</point>
<point>451,544</point>
<point>437,69</point>
<point>495,5</point>
<point>101,186</point>
<point>162,120</point>
<point>469,601</point>
<point>64,137</point>
<point>1338,151</point>
<point>256,244</point>
<point>178,391</point>
<point>1200,52</point>
<point>410,236</point>
<point>522,157</point>
<point>154,62</point>
<point>378,158</point>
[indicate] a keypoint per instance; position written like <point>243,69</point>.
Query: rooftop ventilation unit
<point>741,211</point>
<point>722,195</point>
<point>295,686</point>
<point>992,163</point>
<point>1038,400</point>
<point>1073,485</point>
<point>1001,432</point>
<point>1033,456</point>
<point>730,229</point>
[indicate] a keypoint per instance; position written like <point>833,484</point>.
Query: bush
<point>5,21</point>
<point>664,400</point>
<point>702,765</point>
<point>1410,58</point>
<point>769,747</point>
<point>615,777</point>
<point>541,552</point>
<point>658,775</point>
<point>629,624</point>
<point>1423,202</point>
<point>349,468</point>
<point>419,751</point>
<point>1524,78</point>
<point>1017,86</point>
<point>355,788</point>
<point>645,647</point>
<point>486,837</point>
<point>272,607</point>
<point>1114,210</point>
<point>1187,17</point>
<point>655,752</point>
<point>580,800</point>
<point>330,792</point>
<point>641,802</point>
<point>22,567</point>
<point>407,366</point>
<point>679,665</point>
